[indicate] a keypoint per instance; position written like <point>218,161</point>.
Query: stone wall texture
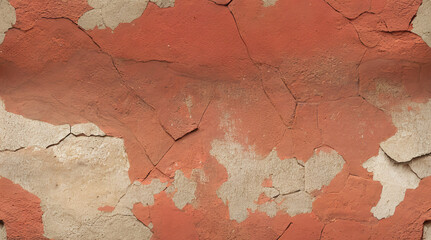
<point>215,119</point>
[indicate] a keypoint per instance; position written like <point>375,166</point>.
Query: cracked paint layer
<point>73,175</point>
<point>7,18</point>
<point>111,13</point>
<point>327,134</point>
<point>395,179</point>
<point>421,24</point>
<point>291,181</point>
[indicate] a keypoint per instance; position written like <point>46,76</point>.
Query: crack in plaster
<point>76,169</point>
<point>292,180</point>
<point>110,13</point>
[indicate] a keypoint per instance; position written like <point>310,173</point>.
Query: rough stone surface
<point>414,133</point>
<point>395,179</point>
<point>421,22</point>
<point>7,18</point>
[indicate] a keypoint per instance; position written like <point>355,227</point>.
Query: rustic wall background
<point>215,119</point>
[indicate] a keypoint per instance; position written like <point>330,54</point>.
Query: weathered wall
<point>215,119</point>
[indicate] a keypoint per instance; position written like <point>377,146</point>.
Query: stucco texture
<point>215,119</point>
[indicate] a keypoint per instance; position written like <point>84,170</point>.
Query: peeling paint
<point>421,22</point>
<point>421,166</point>
<point>185,190</point>
<point>139,193</point>
<point>87,129</point>
<point>247,171</point>
<point>73,177</point>
<point>111,13</point>
<point>414,132</point>
<point>7,18</point>
<point>18,132</point>
<point>395,178</point>
<point>321,168</point>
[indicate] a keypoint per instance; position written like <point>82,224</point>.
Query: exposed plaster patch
<point>73,179</point>
<point>296,203</point>
<point>111,13</point>
<point>267,3</point>
<point>137,192</point>
<point>3,234</point>
<point>87,129</point>
<point>7,18</point>
<point>427,231</point>
<point>395,178</point>
<point>18,132</point>
<point>421,23</point>
<point>414,133</point>
<point>74,175</point>
<point>321,168</point>
<point>185,190</point>
<point>247,172</point>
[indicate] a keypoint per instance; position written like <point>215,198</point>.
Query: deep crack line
<point>284,231</point>
<point>242,39</point>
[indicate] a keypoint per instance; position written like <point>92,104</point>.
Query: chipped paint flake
<point>395,178</point>
<point>421,166</point>
<point>87,129</point>
<point>111,13</point>
<point>7,18</point>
